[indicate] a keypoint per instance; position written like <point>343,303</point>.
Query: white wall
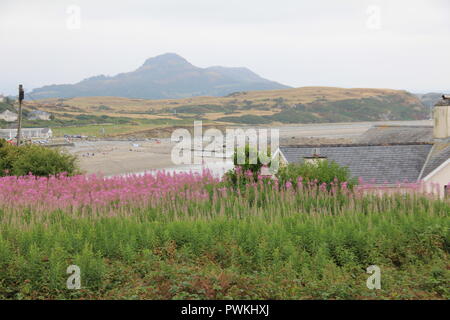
<point>441,176</point>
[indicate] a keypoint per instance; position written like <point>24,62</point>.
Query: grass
<point>299,105</point>
<point>259,243</point>
<point>100,130</point>
<point>112,130</point>
<point>295,95</point>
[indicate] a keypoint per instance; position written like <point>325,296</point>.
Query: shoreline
<point>117,157</point>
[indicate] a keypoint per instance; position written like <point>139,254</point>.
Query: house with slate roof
<point>388,155</point>
<point>39,115</point>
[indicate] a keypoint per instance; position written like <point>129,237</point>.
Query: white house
<point>8,116</point>
<point>39,115</point>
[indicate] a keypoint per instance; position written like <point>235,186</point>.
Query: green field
<point>258,244</point>
<point>100,129</point>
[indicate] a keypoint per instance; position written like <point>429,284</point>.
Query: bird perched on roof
<point>445,97</point>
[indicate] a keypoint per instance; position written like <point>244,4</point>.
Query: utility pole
<point>19,126</point>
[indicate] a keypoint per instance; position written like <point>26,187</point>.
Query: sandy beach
<point>118,157</point>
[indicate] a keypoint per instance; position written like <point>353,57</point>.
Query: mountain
<point>430,99</point>
<point>162,77</point>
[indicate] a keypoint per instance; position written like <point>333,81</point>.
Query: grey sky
<point>298,43</point>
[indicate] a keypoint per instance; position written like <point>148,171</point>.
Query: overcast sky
<point>349,43</point>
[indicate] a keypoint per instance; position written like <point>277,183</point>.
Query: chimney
<point>441,116</point>
<point>315,158</point>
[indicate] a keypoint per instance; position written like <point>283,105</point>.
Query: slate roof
<point>438,155</point>
<point>378,164</point>
<point>397,134</point>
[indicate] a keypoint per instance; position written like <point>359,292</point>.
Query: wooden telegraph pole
<point>19,126</point>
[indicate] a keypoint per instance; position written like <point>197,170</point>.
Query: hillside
<point>4,106</point>
<point>429,99</point>
<point>289,106</point>
<point>7,105</point>
<point>162,77</point>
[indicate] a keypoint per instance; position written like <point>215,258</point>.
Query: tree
<point>249,169</point>
<point>34,159</point>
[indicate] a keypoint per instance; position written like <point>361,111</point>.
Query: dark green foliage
<point>204,108</point>
<point>249,119</point>
<point>248,169</point>
<point>315,173</point>
<point>389,107</point>
<point>38,160</point>
<point>367,109</point>
<point>103,108</point>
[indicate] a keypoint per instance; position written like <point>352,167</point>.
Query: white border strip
<point>432,173</point>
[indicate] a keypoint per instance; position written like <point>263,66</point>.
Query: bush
<point>247,171</point>
<point>315,174</point>
<point>38,160</point>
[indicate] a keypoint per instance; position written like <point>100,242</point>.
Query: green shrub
<point>37,160</point>
<point>8,153</point>
<point>247,171</point>
<point>315,173</point>
<point>92,267</point>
